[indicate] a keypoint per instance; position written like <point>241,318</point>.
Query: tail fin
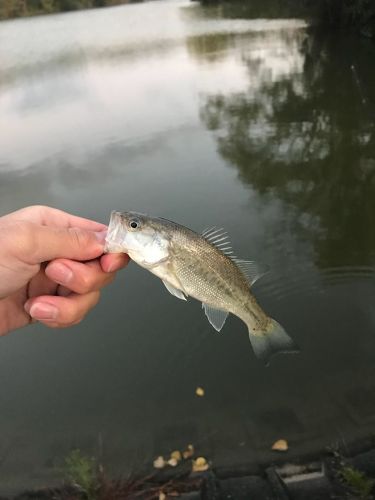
<point>271,342</point>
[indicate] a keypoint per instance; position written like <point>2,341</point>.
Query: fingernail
<point>60,273</point>
<point>101,236</point>
<point>110,268</point>
<point>41,310</point>
<point>116,265</point>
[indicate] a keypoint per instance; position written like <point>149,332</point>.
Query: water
<point>207,118</point>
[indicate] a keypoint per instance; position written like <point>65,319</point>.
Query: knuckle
<point>81,238</point>
<point>71,315</point>
<point>37,212</point>
<point>75,309</point>
<point>92,301</point>
<point>22,238</point>
<point>87,282</point>
<point>79,309</point>
<point>27,229</point>
<point>40,209</point>
<point>30,241</point>
<point>20,244</point>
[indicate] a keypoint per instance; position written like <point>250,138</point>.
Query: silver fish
<point>201,266</point>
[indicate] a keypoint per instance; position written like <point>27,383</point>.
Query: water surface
<point>208,118</point>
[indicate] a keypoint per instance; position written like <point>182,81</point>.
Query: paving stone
<point>49,494</point>
<point>277,485</point>
<point>226,472</point>
<point>306,482</point>
<point>211,487</point>
<point>196,495</point>
<point>245,488</point>
<point>365,462</point>
<point>311,490</point>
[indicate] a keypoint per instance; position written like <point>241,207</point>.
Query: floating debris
<point>280,445</point>
<point>200,464</point>
<point>189,452</point>
<point>176,455</point>
<point>199,391</point>
<point>172,462</point>
<point>159,463</point>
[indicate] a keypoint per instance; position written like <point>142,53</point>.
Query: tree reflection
<point>309,140</point>
<point>211,47</point>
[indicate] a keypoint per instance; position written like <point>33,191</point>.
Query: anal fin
<point>215,316</point>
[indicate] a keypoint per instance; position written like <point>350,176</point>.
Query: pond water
<point>206,117</point>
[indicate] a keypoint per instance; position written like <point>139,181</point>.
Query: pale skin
<point>52,267</point>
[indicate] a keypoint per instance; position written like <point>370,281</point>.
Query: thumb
<point>33,243</point>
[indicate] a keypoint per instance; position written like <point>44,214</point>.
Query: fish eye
<point>134,224</point>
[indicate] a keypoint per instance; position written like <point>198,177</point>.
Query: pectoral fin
<point>216,317</point>
<point>174,291</point>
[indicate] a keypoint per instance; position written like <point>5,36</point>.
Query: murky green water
<point>255,125</point>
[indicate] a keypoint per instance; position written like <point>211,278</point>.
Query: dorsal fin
<point>252,270</point>
<point>219,238</point>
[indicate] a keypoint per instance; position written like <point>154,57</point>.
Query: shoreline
<point>346,471</point>
<point>331,474</point>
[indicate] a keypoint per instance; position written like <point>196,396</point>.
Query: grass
<point>80,471</point>
<point>88,476</point>
<point>358,482</point>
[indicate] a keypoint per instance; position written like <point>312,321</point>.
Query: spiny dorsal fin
<point>219,238</point>
<point>252,270</point>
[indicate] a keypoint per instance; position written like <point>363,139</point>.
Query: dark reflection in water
<point>207,118</point>
<point>309,140</point>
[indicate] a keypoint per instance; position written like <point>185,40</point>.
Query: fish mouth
<point>115,234</point>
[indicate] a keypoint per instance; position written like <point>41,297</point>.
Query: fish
<point>204,267</point>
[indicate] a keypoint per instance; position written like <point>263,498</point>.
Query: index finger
<point>32,243</point>
<point>48,216</point>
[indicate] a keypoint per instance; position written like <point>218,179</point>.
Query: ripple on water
<point>312,281</point>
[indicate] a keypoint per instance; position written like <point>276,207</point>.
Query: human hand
<point>52,267</point>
